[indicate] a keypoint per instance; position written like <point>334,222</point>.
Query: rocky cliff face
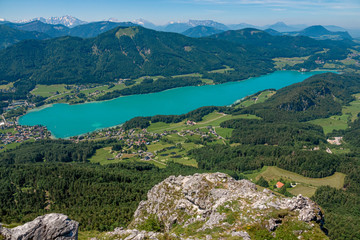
<point>216,206</point>
<point>48,227</point>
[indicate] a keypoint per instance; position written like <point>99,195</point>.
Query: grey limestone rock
<point>242,234</point>
<point>134,234</point>
<point>52,226</point>
<point>273,224</point>
<point>213,201</point>
<point>197,196</point>
<point>308,210</point>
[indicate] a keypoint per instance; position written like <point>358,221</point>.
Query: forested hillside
<point>280,46</point>
<point>122,53</point>
<point>133,52</point>
<point>282,138</point>
<point>58,175</point>
<point>317,97</point>
<point>319,32</point>
<point>99,197</point>
<point>201,31</point>
<point>9,36</point>
<point>57,30</point>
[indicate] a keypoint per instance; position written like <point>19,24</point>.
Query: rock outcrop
<point>216,206</point>
<point>48,227</point>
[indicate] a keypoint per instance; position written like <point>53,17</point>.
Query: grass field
<point>180,145</point>
<point>307,186</point>
<point>187,161</point>
<point>49,90</point>
<point>58,91</point>
<point>280,63</point>
<point>8,130</point>
<point>102,155</point>
<point>213,119</point>
<point>59,94</point>
<point>338,150</point>
<point>224,132</point>
<point>167,153</point>
<point>156,163</point>
<point>261,97</point>
<point>224,70</point>
<point>13,145</point>
<point>207,81</point>
<point>349,113</point>
<point>158,146</point>
<point>302,189</point>
<point>9,146</point>
<point>188,75</point>
<point>332,123</point>
<point>188,142</point>
<point>99,88</point>
<point>354,108</point>
<point>7,86</point>
<point>332,66</point>
<point>349,61</point>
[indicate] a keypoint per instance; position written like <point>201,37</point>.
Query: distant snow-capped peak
<point>144,23</point>
<point>139,21</point>
<point>195,23</point>
<point>113,20</point>
<point>66,20</point>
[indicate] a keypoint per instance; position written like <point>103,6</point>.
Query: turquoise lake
<point>64,120</point>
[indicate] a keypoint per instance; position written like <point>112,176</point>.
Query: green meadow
<point>305,186</point>
<point>213,119</point>
<point>258,98</point>
<point>349,113</point>
<point>49,90</point>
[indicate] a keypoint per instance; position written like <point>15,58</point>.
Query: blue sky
<point>345,13</point>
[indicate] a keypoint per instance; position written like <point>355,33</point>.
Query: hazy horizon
<point>344,13</point>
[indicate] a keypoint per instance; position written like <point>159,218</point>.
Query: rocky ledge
<point>216,206</point>
<point>48,227</point>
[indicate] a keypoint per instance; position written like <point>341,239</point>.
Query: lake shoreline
<point>64,120</point>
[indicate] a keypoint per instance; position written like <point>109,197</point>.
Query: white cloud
<point>278,9</point>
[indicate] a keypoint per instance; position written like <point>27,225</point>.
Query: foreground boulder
<point>216,206</point>
<point>52,226</point>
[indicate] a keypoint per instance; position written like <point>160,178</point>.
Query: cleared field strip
<point>305,186</point>
<point>213,119</point>
<point>349,113</point>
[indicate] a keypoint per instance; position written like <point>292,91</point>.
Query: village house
<point>279,185</point>
<point>190,123</point>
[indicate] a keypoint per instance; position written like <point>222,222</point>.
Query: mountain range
<point>10,36</point>
<point>131,52</point>
<point>320,33</point>
<point>193,28</point>
<point>57,30</point>
<point>276,130</point>
<point>201,31</point>
<point>68,21</point>
<point>179,27</point>
<point>278,45</point>
<point>123,52</point>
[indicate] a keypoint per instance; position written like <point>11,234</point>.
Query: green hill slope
<point>278,46</point>
<point>319,96</point>
<point>123,53</point>
<point>9,36</point>
<point>320,33</point>
<point>201,31</point>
